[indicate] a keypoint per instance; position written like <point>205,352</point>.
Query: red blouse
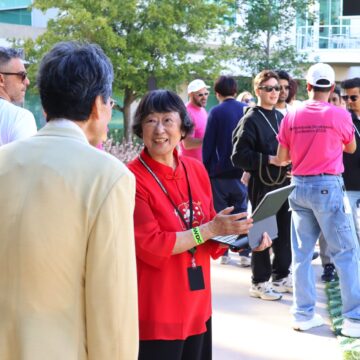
<point>168,309</point>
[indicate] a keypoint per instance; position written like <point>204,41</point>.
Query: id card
<point>196,278</point>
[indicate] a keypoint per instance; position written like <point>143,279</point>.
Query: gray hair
<point>6,54</point>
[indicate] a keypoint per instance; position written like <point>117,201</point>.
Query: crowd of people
<point>104,261</point>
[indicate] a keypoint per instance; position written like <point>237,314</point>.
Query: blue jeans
<point>317,205</point>
<point>354,199</point>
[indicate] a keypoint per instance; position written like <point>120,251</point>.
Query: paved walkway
<point>246,328</point>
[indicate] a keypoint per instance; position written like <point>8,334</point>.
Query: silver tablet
<point>264,220</point>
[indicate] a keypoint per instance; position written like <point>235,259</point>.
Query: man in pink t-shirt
<point>198,94</point>
<point>313,137</point>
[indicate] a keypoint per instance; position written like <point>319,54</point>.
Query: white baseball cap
<point>196,85</point>
<point>321,71</point>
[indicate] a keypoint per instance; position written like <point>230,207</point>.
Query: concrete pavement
<point>246,328</point>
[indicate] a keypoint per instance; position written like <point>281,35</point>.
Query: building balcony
<point>330,44</point>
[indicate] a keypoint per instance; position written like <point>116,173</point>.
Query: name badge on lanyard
<point>196,278</point>
<point>195,273</point>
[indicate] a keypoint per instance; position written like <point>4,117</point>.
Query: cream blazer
<point>68,287</point>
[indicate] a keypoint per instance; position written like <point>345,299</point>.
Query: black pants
<point>261,266</point>
<point>196,347</point>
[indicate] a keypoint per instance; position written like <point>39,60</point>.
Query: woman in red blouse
<point>174,221</point>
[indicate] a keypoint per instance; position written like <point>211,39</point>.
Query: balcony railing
<point>328,37</point>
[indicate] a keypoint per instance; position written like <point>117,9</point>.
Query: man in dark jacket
<point>217,148</point>
<point>254,149</point>
<point>351,174</point>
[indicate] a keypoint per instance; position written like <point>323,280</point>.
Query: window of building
<point>15,12</point>
<point>16,16</point>
<point>333,29</point>
<point>14,4</point>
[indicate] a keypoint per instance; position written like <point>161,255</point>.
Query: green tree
<point>266,34</point>
<point>162,41</point>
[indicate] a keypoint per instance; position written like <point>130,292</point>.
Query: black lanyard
<point>356,130</point>
<point>269,123</point>
<point>162,187</point>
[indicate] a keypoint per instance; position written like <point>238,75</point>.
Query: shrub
<point>123,150</point>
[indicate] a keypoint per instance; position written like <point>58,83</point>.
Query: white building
<point>331,38</point>
<point>16,20</point>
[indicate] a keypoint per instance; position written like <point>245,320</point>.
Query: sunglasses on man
<point>202,94</point>
<point>21,74</point>
<point>269,89</point>
<point>284,87</point>
<point>353,98</point>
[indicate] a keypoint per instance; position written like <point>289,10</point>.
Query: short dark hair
<point>337,90</point>
<point>6,54</point>
<point>292,90</point>
<point>320,88</point>
<point>351,83</point>
<point>161,101</point>
<point>283,75</point>
<point>225,86</point>
<point>71,75</point>
<point>263,76</point>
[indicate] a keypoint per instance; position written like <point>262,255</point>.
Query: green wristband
<point>197,235</point>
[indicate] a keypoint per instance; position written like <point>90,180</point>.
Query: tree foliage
<point>266,34</point>
<point>162,40</point>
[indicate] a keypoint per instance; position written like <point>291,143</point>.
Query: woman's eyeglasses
<point>353,98</point>
<point>21,74</point>
<point>270,88</point>
<point>247,101</point>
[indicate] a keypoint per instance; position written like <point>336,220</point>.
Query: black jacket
<point>253,141</point>
<point>351,173</point>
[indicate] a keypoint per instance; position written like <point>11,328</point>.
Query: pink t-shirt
<point>199,117</point>
<point>315,133</point>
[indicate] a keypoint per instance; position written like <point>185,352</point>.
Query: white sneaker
<point>351,328</point>
<point>284,285</point>
<point>315,321</point>
<point>225,260</point>
<point>264,291</point>
<point>245,261</point>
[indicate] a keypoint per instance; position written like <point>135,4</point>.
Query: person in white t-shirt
<point>15,122</point>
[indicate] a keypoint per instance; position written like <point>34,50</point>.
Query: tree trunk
<point>267,50</point>
<point>129,98</point>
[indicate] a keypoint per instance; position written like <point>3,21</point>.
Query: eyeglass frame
<point>22,74</point>
<point>247,101</point>
<point>353,98</point>
<point>269,89</point>
<point>285,87</point>
<point>202,94</point>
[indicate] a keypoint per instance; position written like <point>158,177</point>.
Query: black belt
<point>322,174</point>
